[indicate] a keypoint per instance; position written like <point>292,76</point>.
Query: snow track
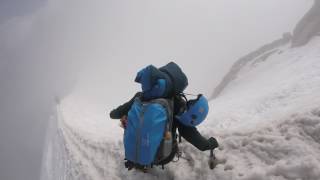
<point>288,150</point>
<point>92,159</point>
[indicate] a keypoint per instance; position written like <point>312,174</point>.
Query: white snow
<point>267,122</point>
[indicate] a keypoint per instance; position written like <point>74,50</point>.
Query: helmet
<point>196,111</point>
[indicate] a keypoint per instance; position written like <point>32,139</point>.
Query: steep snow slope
<point>267,121</point>
<point>268,118</point>
<point>286,82</point>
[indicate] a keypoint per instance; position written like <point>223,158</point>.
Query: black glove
<point>213,143</point>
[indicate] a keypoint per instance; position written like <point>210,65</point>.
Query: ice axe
<point>212,160</point>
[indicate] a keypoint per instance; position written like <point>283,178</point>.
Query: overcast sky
<point>94,49</point>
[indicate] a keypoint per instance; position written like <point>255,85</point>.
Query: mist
<point>93,49</point>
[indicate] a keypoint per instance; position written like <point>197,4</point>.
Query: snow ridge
<point>267,121</point>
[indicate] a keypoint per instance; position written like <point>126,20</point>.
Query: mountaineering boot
<point>129,165</point>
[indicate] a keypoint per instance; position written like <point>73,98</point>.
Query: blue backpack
<point>147,137</point>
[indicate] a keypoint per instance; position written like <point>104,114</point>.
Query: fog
<point>93,49</point>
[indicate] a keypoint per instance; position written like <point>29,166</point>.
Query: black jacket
<point>191,134</point>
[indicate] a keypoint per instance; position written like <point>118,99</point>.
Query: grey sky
<point>94,49</point>
<point>13,8</point>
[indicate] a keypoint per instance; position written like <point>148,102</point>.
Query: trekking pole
<point>212,160</point>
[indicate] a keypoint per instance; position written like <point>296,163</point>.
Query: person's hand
<point>123,122</point>
<point>213,143</point>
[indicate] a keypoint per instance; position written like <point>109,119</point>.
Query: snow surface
<point>267,121</point>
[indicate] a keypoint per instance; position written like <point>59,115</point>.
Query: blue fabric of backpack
<point>164,82</point>
<point>144,133</point>
<point>154,83</point>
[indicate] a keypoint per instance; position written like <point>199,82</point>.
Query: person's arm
<point>123,110</point>
<point>192,135</point>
